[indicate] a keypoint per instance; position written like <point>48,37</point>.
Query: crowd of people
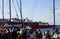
<point>19,33</point>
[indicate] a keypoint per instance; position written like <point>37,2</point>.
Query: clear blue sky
<point>37,10</point>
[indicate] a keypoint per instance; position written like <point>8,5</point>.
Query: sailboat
<point>14,22</point>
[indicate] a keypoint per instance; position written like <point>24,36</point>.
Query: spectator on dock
<point>40,34</point>
<point>48,36</point>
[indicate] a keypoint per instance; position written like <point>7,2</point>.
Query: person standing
<point>48,35</point>
<point>14,34</point>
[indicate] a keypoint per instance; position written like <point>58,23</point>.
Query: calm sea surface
<point>58,26</point>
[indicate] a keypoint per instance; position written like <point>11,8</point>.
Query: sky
<point>36,10</point>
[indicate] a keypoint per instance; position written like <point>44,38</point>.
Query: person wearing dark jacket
<point>0,36</point>
<point>48,35</point>
<point>24,35</point>
<point>40,35</point>
<point>14,34</point>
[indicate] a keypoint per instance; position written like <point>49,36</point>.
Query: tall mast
<point>21,13</point>
<point>3,12</point>
<point>54,11</point>
<point>10,8</point>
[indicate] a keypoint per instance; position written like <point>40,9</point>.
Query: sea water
<point>58,26</point>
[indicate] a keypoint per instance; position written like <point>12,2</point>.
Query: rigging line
<point>17,4</point>
<point>34,8</point>
<point>0,6</point>
<point>15,9</point>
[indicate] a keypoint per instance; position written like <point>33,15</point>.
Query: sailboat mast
<point>21,13</point>
<point>10,8</point>
<point>3,12</point>
<point>54,11</point>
